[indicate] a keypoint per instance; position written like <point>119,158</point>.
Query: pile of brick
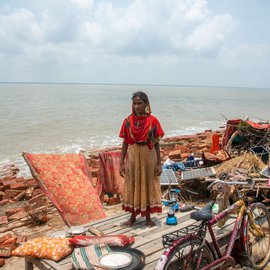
<point>9,242</point>
<point>22,203</point>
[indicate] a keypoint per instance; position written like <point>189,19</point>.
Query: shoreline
<point>174,147</point>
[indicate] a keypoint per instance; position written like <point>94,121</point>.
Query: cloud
<point>82,38</point>
<point>142,28</point>
<point>84,4</point>
<point>18,31</point>
<point>211,34</point>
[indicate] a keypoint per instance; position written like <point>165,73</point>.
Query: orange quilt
<point>66,180</point>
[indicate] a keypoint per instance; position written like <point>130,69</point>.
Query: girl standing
<point>141,133</point>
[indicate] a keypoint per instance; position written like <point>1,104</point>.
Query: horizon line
<point>145,84</point>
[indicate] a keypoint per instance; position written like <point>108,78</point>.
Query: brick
<point>11,193</point>
<point>17,186</point>
<point>38,205</point>
<point>20,179</point>
<point>1,195</point>
<point>5,237</point>
<point>18,215</point>
<point>7,182</point>
<point>7,249</point>
<point>202,146</point>
<point>20,196</point>
<point>37,191</point>
<point>4,202</point>
<point>12,211</point>
<point>31,182</point>
<point>3,220</point>
<point>185,155</point>
<point>38,198</point>
<point>11,240</point>
<point>180,147</point>
<point>175,154</point>
<point>2,262</point>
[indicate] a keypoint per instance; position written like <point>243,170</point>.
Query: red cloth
<point>215,143</point>
<point>109,177</point>
<point>258,126</point>
<point>141,129</point>
<point>66,180</point>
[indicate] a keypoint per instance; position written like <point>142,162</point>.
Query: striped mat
<point>88,257</point>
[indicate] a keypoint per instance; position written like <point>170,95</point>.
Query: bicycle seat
<point>204,214</point>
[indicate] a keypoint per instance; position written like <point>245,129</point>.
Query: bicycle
<point>188,248</point>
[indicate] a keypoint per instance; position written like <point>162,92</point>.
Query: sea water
<point>67,118</point>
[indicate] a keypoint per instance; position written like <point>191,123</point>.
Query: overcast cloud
<point>174,42</point>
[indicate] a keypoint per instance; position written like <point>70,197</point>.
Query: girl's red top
<point>141,130</point>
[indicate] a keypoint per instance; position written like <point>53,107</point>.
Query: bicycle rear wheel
<point>258,248</point>
<point>189,256</point>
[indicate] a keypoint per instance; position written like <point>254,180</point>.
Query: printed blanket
<point>66,180</point>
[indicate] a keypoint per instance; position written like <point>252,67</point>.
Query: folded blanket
<point>88,257</point>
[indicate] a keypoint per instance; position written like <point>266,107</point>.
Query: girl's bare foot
<point>131,221</point>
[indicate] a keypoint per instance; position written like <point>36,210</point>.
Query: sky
<point>160,42</point>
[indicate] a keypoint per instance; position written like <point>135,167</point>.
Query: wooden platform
<point>148,240</point>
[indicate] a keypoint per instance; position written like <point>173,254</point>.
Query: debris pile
<point>251,164</point>
<point>242,135</point>
<point>22,204</point>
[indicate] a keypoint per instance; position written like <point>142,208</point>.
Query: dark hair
<point>141,95</point>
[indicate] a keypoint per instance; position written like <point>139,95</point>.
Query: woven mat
<point>88,257</point>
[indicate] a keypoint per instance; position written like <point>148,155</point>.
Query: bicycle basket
<point>168,239</point>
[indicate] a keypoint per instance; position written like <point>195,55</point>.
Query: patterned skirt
<point>142,193</point>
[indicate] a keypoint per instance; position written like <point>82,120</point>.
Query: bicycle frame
<point>240,229</point>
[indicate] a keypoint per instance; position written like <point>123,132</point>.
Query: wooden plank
<point>144,240</point>
<point>148,240</point>
<point>29,262</point>
<point>106,220</point>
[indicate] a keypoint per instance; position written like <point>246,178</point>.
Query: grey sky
<point>174,42</point>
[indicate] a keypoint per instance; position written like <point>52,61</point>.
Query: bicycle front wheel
<point>258,247</point>
<point>189,256</point>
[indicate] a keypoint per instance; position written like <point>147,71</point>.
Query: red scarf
<point>144,129</point>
